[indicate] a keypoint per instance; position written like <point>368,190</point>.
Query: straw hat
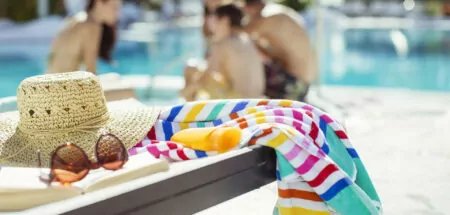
<point>70,107</point>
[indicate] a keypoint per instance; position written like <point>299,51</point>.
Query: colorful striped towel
<point>318,170</point>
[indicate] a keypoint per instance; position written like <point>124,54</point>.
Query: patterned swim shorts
<point>281,85</point>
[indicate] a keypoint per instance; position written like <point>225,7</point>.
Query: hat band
<point>88,126</point>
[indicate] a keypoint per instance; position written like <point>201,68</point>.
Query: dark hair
<point>232,12</point>
<point>206,11</point>
<point>108,39</point>
<point>253,2</point>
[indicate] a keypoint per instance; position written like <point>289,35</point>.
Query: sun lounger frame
<point>193,191</point>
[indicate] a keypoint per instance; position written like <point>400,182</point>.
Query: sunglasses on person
<point>69,163</point>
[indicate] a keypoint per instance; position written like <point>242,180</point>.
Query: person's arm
<point>213,66</point>
<point>91,45</point>
<point>256,31</point>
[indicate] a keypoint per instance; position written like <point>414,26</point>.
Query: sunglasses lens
<point>111,153</point>
<point>69,163</point>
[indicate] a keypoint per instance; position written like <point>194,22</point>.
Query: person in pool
<point>86,38</point>
<point>290,63</point>
<point>234,68</point>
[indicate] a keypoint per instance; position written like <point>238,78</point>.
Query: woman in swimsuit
<point>86,37</point>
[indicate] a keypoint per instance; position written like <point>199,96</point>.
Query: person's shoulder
<point>88,27</point>
<point>288,20</point>
<point>233,41</point>
<point>79,23</point>
<point>276,13</point>
<point>273,10</point>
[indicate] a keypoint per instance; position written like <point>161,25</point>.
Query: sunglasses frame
<point>52,176</point>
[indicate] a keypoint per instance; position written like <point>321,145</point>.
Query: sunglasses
<point>69,163</point>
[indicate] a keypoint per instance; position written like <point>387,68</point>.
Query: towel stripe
<point>323,126</point>
<point>263,102</point>
<point>278,140</point>
<point>327,171</point>
<point>285,103</point>
<point>239,106</point>
<point>200,154</point>
<point>302,211</point>
<point>184,125</point>
<point>191,116</point>
<point>182,155</point>
<point>201,124</point>
<point>303,203</point>
<point>174,112</point>
<point>353,153</point>
<point>335,189</point>
<point>307,165</point>
<point>167,127</point>
<point>217,122</point>
<point>277,173</point>
<point>215,111</point>
<point>292,193</point>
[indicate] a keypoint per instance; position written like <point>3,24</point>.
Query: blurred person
<point>290,61</point>
<point>208,19</point>
<point>234,68</point>
<point>86,38</point>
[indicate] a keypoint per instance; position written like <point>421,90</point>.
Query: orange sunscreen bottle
<point>220,139</point>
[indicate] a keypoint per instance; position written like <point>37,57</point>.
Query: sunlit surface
<point>409,4</point>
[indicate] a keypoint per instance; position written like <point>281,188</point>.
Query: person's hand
<point>188,93</point>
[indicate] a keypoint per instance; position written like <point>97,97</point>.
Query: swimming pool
<point>413,59</point>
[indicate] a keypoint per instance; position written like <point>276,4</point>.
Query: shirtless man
<point>234,68</point>
<point>279,34</point>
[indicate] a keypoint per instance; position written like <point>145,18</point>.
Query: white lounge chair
<point>8,104</point>
<point>40,29</point>
<point>5,24</point>
<point>389,9</point>
<point>353,9</point>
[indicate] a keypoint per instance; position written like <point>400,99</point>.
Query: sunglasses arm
<point>47,178</point>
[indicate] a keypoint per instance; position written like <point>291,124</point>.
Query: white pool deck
<point>402,136</point>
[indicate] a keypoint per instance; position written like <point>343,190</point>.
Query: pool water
<point>167,56</point>
<point>413,59</point>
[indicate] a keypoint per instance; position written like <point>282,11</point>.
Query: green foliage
<point>57,7</point>
<point>18,10</point>
<point>298,5</point>
<point>151,4</point>
<point>25,10</point>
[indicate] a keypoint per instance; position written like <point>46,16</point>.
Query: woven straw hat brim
<point>129,120</point>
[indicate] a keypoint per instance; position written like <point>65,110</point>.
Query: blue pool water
<point>413,59</point>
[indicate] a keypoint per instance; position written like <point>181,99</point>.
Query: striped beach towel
<point>318,170</point>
